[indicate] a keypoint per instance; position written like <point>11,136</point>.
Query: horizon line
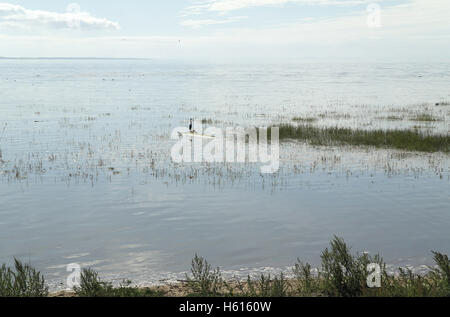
<point>74,58</point>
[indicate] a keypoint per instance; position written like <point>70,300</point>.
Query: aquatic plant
<point>304,119</point>
<point>409,140</point>
<point>391,118</point>
<point>424,117</point>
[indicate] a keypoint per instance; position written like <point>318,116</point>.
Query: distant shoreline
<point>73,58</point>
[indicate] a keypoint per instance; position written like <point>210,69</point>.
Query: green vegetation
<point>335,115</point>
<point>207,121</point>
<point>22,281</point>
<point>267,286</point>
<point>409,140</point>
<point>301,119</point>
<point>425,117</point>
<point>342,274</point>
<point>391,118</point>
<point>204,281</point>
<point>92,286</point>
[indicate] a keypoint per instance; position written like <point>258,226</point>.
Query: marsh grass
<point>304,119</point>
<point>425,117</point>
<point>391,118</point>
<point>21,281</point>
<point>409,140</point>
<point>335,115</point>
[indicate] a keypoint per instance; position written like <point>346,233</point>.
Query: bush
<point>307,284</point>
<point>345,275</point>
<point>441,275</point>
<point>204,280</point>
<point>23,281</point>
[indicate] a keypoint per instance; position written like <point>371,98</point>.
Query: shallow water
<point>86,175</point>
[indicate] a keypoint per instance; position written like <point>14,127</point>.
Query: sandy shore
<point>170,290</point>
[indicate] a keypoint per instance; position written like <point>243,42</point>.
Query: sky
<point>229,30</point>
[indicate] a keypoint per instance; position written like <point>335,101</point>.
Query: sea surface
<point>86,174</point>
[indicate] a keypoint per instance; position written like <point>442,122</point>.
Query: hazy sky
<point>229,30</point>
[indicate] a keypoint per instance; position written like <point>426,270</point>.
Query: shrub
<point>307,284</point>
<point>345,275</point>
<point>204,280</point>
<point>23,281</point>
<point>441,275</point>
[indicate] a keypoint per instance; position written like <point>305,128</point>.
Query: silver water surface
<point>86,174</point>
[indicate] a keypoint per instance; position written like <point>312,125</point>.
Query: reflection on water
<point>86,176</point>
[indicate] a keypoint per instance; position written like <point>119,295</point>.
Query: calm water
<point>86,175</point>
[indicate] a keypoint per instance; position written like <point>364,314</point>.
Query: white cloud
<point>15,16</point>
<point>223,6</point>
<point>418,19</point>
